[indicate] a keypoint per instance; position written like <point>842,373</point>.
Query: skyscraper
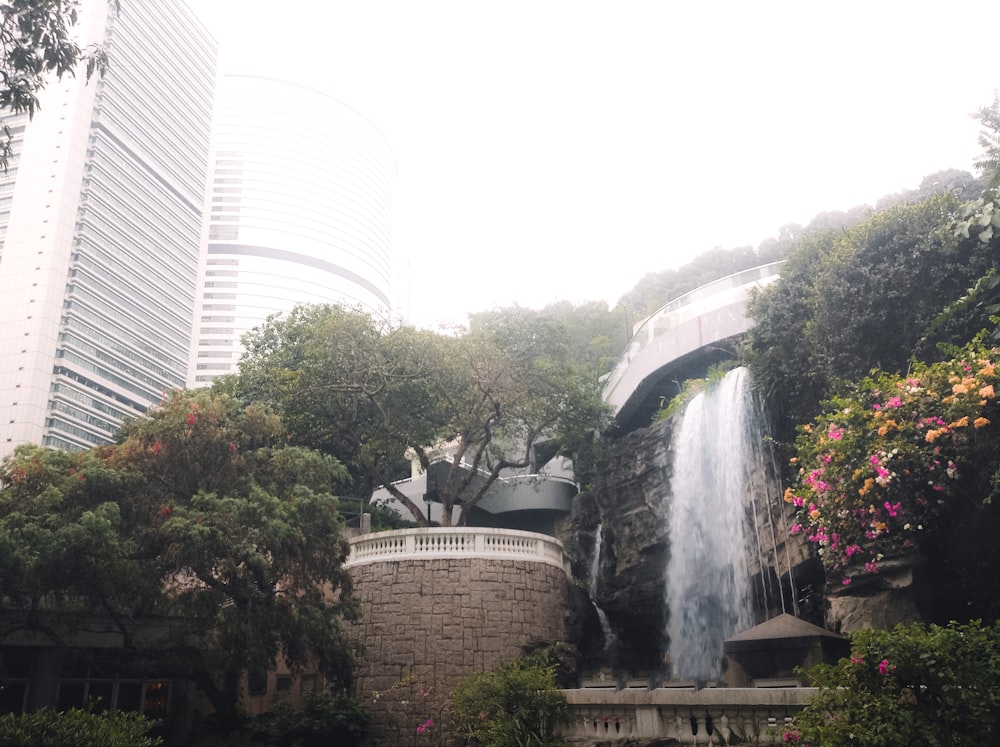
<point>300,213</point>
<point>100,222</point>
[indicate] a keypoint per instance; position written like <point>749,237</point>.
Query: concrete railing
<point>456,542</point>
<point>701,317</point>
<point>706,716</point>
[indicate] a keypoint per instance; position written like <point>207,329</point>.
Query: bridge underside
<point>665,383</point>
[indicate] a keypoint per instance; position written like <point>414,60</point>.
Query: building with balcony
<point>100,229</point>
<point>299,213</point>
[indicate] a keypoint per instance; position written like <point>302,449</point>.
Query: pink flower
<point>883,667</point>
<point>894,402</point>
<point>846,582</point>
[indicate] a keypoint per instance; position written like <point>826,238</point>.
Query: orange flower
<point>980,422</point>
<point>960,423</point>
<point>931,436</point>
<point>960,389</point>
<point>987,392</point>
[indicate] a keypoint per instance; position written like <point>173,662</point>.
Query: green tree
<point>368,392</point>
<point>922,686</point>
<point>70,546</point>
<point>36,37</point>
<point>851,301</point>
<point>212,545</point>
<point>516,706</point>
<point>350,385</point>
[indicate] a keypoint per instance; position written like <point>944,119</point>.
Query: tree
<point>854,300</point>
<point>37,41</point>
<point>350,385</point>
<point>368,391</point>
<point>211,546</point>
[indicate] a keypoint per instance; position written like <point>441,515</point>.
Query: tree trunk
<point>412,507</point>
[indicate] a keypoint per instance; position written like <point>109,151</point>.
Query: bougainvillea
<point>880,463</point>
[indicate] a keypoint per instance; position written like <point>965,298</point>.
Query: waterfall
<point>610,639</point>
<point>708,593</point>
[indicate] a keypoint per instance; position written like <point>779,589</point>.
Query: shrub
<point>922,686</point>
<point>326,718</point>
<point>76,728</point>
<point>515,706</point>
<point>883,462</point>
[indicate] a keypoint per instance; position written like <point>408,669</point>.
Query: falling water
<point>610,639</point>
<point>708,593</point>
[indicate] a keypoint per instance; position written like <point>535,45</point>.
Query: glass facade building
<point>101,222</point>
<point>299,213</point>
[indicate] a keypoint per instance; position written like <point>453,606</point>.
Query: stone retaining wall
<point>426,623</point>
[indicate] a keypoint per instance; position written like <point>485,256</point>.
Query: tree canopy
<point>211,545</point>
<point>868,297</point>
<point>367,392</point>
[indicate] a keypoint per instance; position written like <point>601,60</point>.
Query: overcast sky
<point>562,149</point>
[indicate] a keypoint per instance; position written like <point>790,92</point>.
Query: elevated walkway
<point>680,341</point>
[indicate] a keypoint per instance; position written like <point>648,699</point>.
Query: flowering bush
<point>914,685</point>
<point>878,465</point>
<point>516,705</point>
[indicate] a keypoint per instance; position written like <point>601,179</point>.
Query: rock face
<point>627,504</point>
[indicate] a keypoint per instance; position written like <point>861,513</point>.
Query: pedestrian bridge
<point>680,341</point>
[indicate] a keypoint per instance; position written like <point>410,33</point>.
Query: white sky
<point>562,149</point>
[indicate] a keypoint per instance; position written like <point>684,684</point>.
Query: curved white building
<point>300,213</point>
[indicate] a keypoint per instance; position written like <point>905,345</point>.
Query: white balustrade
<point>707,716</point>
<point>466,542</point>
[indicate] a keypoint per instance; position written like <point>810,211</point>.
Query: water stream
<point>610,639</point>
<point>716,466</point>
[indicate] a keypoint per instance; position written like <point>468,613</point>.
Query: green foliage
<point>202,515</point>
<point>879,465</point>
<point>76,728</point>
<point>36,37</point>
<point>368,391</point>
<point>326,718</point>
<point>922,686</point>
<point>852,301</point>
<point>515,706</point>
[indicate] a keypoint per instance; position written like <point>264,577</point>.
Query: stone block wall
<point>426,623</point>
